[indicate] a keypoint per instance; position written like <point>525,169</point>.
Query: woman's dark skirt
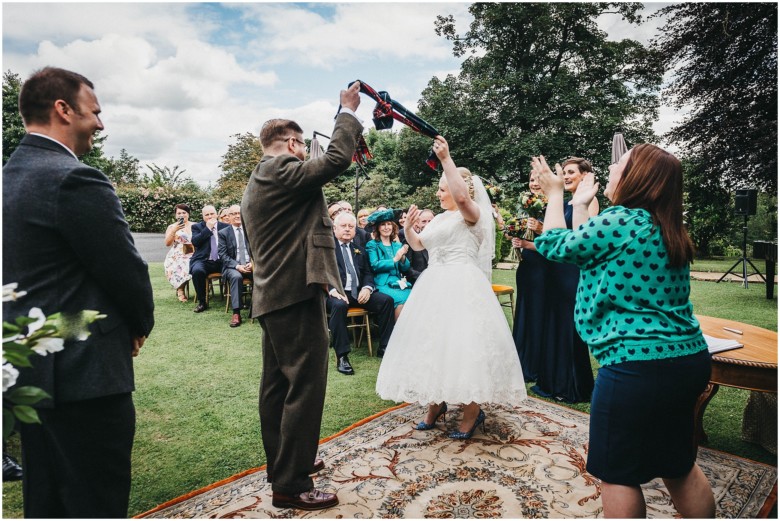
<point>642,419</point>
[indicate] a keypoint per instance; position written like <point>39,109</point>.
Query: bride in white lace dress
<point>452,342</point>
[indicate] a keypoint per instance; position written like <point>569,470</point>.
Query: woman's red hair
<point>653,180</point>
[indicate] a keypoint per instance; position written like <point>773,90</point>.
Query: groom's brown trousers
<point>292,391</point>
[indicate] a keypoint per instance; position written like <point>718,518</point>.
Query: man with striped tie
<point>236,261</point>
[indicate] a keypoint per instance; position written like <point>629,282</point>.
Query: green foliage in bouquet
<point>34,334</point>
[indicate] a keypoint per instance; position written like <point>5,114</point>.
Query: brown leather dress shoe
<point>236,320</point>
<point>310,500</point>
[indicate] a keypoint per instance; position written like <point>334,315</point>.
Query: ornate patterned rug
<point>530,463</point>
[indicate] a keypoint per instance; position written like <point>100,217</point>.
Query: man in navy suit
<point>359,291</point>
<point>236,263</point>
<point>67,243</point>
<point>361,236</point>
<point>205,260</point>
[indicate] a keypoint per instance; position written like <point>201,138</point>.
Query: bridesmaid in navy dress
<point>529,320</point>
<point>564,371</point>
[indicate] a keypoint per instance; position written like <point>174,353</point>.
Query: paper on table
<point>716,345</point>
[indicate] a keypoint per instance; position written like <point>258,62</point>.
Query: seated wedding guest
<point>361,236</point>
<point>362,215</point>
<point>419,259</point>
<point>564,371</point>
<point>236,262</point>
<point>223,216</point>
<point>358,283</point>
<point>370,225</point>
<point>346,205</point>
<point>388,259</point>
<point>177,262</point>
<point>531,314</point>
<point>334,209</point>
<point>205,260</point>
<point>635,314</point>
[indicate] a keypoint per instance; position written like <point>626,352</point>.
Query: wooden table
<point>752,367</point>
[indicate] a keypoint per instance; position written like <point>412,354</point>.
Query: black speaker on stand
<point>745,202</point>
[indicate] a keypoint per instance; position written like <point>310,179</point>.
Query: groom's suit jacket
<point>286,218</point>
<point>68,245</point>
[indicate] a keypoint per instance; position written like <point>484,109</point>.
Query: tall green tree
<point>724,57</point>
<point>705,200</point>
<point>13,128</point>
<point>165,176</point>
<point>126,169</point>
<point>541,78</point>
<point>239,161</point>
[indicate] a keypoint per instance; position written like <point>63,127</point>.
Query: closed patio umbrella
<point>315,150</point>
<point>618,147</point>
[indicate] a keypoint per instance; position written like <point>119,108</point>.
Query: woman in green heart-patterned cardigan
<point>634,313</point>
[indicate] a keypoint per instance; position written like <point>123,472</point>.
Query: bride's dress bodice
<point>449,240</point>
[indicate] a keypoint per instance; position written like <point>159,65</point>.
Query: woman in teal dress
<point>387,257</point>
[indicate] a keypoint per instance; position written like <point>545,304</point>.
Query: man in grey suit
<point>234,255</point>
<point>67,243</point>
<point>291,239</point>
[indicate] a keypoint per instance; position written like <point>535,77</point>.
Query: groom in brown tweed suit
<point>291,240</point>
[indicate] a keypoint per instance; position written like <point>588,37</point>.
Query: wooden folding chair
<point>499,290</point>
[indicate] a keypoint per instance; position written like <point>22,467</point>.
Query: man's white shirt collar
<point>52,139</point>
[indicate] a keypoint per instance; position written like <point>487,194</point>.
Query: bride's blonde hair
<point>465,173</point>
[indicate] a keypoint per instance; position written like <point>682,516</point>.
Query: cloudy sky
<point>177,80</point>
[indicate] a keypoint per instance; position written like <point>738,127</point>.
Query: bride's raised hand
<point>586,190</point>
<point>441,148</point>
<point>549,181</point>
<point>412,214</point>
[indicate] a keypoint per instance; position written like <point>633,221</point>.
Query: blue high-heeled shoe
<point>457,435</point>
<point>422,426</point>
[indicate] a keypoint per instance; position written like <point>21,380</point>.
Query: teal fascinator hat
<point>381,216</point>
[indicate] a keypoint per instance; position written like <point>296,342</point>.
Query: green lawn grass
<point>197,389</point>
<point>723,264</point>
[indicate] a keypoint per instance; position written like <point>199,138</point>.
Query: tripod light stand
<point>744,261</point>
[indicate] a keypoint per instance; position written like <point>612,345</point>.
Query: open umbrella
<point>618,147</point>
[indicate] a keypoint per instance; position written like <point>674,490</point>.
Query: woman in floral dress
<point>177,263</point>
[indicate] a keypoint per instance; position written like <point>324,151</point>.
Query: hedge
<point>152,209</point>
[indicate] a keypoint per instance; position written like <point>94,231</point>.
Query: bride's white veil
<point>487,226</point>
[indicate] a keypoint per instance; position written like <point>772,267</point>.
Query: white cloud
<point>165,95</point>
<point>619,29</point>
<point>356,32</point>
<point>63,22</point>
